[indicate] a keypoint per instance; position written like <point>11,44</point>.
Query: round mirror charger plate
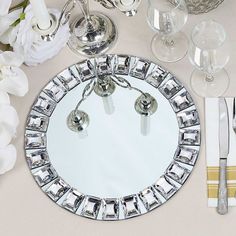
<point>114,173</point>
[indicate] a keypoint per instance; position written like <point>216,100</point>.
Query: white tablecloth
<point>26,211</point>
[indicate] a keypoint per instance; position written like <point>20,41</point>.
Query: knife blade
<point>222,207</point>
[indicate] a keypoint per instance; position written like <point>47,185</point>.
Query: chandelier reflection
<point>104,86</point>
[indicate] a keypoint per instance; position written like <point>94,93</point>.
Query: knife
<point>222,207</point>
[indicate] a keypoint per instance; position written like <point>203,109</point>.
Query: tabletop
<point>25,210</point>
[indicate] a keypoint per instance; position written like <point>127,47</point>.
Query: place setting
<point>116,136</point>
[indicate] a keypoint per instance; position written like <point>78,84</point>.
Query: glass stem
<point>168,41</point>
<point>209,78</point>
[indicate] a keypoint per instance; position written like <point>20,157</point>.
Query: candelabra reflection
<point>104,86</point>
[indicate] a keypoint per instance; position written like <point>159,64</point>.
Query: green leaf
<point>22,16</point>
<point>15,23</point>
<point>20,5</point>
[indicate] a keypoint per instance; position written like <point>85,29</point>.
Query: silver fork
<point>234,115</point>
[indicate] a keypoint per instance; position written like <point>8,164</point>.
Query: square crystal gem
<point>130,206</point>
<point>122,65</point>
<point>139,69</point>
<point>149,199</point>
<point>44,105</point>
<point>57,189</point>
<point>37,122</point>
<point>85,70</point>
<point>37,158</point>
<point>73,200</point>
<point>104,65</point>
<point>68,82</point>
<point>177,172</point>
<point>45,175</point>
<point>189,137</point>
<point>156,77</point>
<point>170,88</point>
<point>186,155</point>
<point>91,207</point>
<point>111,209</point>
<point>165,187</point>
<point>181,101</point>
<point>55,91</point>
<point>188,118</point>
<point>35,140</point>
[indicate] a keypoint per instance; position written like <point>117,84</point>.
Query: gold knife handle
<point>222,207</point>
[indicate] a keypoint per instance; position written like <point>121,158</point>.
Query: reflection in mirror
<point>115,159</point>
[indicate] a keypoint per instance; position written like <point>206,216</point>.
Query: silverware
<point>234,116</point>
<point>222,207</point>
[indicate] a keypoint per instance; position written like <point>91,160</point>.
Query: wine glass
<point>167,19</point>
<point>128,7</point>
<point>209,53</point>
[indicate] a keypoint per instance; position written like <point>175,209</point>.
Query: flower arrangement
<point>12,81</point>
<point>17,31</point>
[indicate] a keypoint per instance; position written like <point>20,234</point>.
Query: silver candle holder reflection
<point>104,86</point>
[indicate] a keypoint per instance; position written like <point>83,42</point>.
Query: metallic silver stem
<point>123,83</point>
<point>89,88</point>
<point>65,16</point>
<point>84,5</point>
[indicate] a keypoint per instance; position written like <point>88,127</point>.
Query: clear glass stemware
<point>167,19</point>
<point>209,53</point>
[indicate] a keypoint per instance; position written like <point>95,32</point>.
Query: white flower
<point>29,42</point>
<point>6,132</point>
<point>7,158</point>
<point>4,98</point>
<point>7,35</point>
<point>5,136</point>
<point>8,123</point>
<point>9,119</point>
<point>6,20</point>
<point>12,79</point>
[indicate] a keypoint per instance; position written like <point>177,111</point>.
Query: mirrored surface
<point>115,159</point>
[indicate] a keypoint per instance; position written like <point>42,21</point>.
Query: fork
<point>234,115</point>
